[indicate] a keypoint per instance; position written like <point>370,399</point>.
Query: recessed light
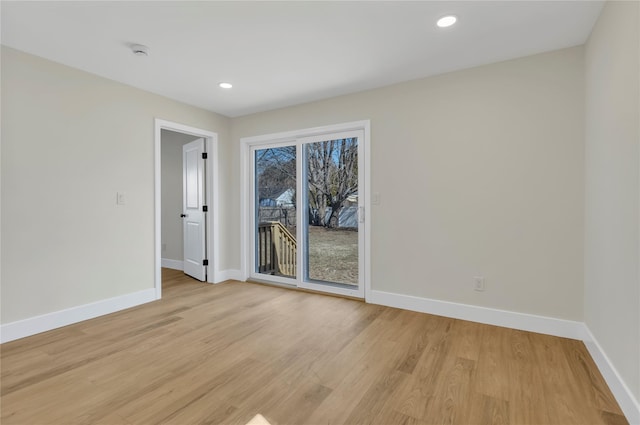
<point>446,21</point>
<point>225,85</point>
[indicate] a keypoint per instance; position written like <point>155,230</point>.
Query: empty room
<point>320,212</point>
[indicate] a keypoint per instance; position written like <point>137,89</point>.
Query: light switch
<point>120,198</point>
<point>375,198</point>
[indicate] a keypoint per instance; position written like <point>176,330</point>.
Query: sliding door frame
<point>247,145</point>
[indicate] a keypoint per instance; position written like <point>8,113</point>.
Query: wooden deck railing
<point>277,249</point>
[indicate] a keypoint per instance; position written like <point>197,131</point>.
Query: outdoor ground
<point>333,255</point>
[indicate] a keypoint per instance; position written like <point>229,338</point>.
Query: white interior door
<point>194,209</point>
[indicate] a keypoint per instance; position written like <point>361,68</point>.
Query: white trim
<point>366,128</point>
<point>172,264</point>
<point>213,250</point>
<point>245,202</point>
<point>623,395</point>
<point>213,226</point>
<point>57,319</point>
<point>306,132</point>
<point>157,216</point>
<point>224,275</point>
<point>490,316</point>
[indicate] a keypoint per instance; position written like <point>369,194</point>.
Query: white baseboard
<point>58,319</point>
<point>220,276</point>
<point>490,316</point>
<point>172,264</point>
<point>629,405</point>
<point>224,275</point>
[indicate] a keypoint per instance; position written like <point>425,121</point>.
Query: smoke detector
<point>140,50</point>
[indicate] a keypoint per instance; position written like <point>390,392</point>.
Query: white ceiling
<point>284,53</point>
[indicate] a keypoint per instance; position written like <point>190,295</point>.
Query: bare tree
<point>276,167</point>
<point>275,175</point>
<point>332,169</point>
<point>276,171</point>
<point>332,176</point>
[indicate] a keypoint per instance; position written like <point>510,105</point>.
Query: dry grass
<point>333,255</point>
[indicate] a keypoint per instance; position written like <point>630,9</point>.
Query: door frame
<point>246,173</point>
<point>211,183</point>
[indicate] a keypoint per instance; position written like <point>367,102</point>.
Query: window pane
<point>275,202</point>
<point>332,227</point>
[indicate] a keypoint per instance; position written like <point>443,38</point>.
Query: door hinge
<point>204,155</point>
<point>205,208</point>
<point>205,262</point>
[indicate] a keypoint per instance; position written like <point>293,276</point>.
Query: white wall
<point>480,172</point>
<point>171,157</point>
<point>70,141</point>
<point>612,196</point>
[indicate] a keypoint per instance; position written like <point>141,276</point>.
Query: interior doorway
<point>185,202</point>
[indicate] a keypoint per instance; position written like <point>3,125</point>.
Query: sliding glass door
<point>308,212</point>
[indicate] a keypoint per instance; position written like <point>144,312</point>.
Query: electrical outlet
<point>478,283</point>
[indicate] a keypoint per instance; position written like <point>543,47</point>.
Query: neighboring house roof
<point>276,197</point>
<point>286,197</point>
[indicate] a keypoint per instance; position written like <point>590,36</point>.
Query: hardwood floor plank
<point>370,342</point>
<point>613,418</point>
<point>354,385</point>
<point>396,418</point>
<point>186,390</point>
<point>452,393</point>
<point>492,378</point>
<point>373,401</point>
<point>528,402</point>
<point>297,408</point>
<point>589,381</point>
<point>413,396</point>
<point>566,406</point>
<point>466,339</point>
<point>487,410</point>
<point>221,354</point>
<point>50,401</point>
<point>421,331</point>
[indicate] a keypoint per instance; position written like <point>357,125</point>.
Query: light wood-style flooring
<point>220,354</point>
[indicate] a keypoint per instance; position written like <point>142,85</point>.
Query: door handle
<point>183,215</point>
